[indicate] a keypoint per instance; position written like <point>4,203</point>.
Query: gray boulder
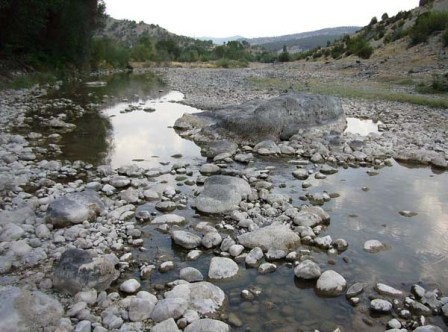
<point>185,239</point>
<point>169,308</point>
<point>168,325</point>
<point>78,270</point>
<point>22,310</point>
<point>277,118</point>
<point>271,237</point>
<point>222,194</point>
<point>74,208</point>
<point>222,268</point>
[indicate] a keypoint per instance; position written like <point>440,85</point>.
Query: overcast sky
<point>253,18</point>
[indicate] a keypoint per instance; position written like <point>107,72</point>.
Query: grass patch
<point>346,91</point>
<point>227,63</point>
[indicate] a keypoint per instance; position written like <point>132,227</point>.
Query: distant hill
<point>302,41</point>
<point>220,41</point>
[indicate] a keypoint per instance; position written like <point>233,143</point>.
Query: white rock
<point>207,325</point>
<point>307,270</point>
<point>168,325</point>
<point>384,289</point>
<point>331,283</point>
<point>168,219</point>
<point>379,305</point>
<point>373,246</point>
<point>130,286</point>
<point>222,268</point>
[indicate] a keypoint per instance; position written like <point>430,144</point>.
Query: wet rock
<point>331,283</point>
<point>244,158</point>
<point>166,266</point>
<point>340,244</point>
<point>271,237</point>
<point>325,169</point>
<point>74,208</point>
<point>168,325</point>
<point>150,195</point>
<point>275,254</point>
<point>418,291</point>
<point>254,256</point>
<point>354,290</point>
<point>203,297</point>
<point>185,239</point>
<point>166,206</point>
<point>130,286</point>
<point>222,194</point>
<point>22,310</point>
<point>222,268</point>
<point>214,148</point>
<point>307,270</point>
<point>311,216</point>
<point>267,268</point>
<point>209,169</point>
<point>211,239</point>
<point>394,324</point>
<point>300,174</point>
<point>418,308</point>
<point>207,325</point>
<point>191,274</point>
<point>266,148</point>
<point>130,195</point>
<point>380,306</point>
<point>236,250</point>
<point>120,181</point>
<point>169,308</point>
<point>83,326</point>
<point>409,214</point>
<point>78,270</point>
<point>323,242</point>
<point>373,246</point>
<point>168,219</point>
<point>387,290</point>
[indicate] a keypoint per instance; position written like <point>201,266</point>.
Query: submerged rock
<point>307,270</point>
<point>222,194</point>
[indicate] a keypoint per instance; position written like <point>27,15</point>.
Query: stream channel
<point>138,130</point>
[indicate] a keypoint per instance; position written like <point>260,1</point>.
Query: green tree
<point>284,56</point>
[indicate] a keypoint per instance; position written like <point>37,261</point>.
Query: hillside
<point>129,32</point>
<point>302,41</point>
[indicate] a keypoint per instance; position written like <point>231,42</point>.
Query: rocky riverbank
<point>72,232</point>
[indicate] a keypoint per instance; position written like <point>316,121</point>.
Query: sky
<point>253,18</point>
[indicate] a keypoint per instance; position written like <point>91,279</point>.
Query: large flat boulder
<point>222,194</point>
<point>277,118</point>
<point>271,237</point>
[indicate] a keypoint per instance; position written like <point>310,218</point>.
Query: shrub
<point>373,21</point>
<point>359,47</point>
<point>440,83</point>
<point>427,24</point>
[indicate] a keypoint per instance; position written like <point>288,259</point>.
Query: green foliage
<point>373,21</point>
<point>359,47</point>
<point>228,63</point>
<point>108,54</point>
<point>440,83</point>
<point>284,56</point>
<point>25,81</point>
<point>384,17</point>
<point>55,33</point>
<point>423,3</point>
<point>427,24</point>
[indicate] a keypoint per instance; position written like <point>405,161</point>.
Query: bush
<point>373,21</point>
<point>440,83</point>
<point>427,24</point>
<point>359,47</point>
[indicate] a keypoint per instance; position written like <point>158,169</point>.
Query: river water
<point>367,207</point>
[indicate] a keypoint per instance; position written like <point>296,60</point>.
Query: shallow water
<point>417,246</point>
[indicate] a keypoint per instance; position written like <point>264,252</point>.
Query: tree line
<point>50,33</point>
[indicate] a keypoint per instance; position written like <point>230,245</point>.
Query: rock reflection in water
<point>361,127</point>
